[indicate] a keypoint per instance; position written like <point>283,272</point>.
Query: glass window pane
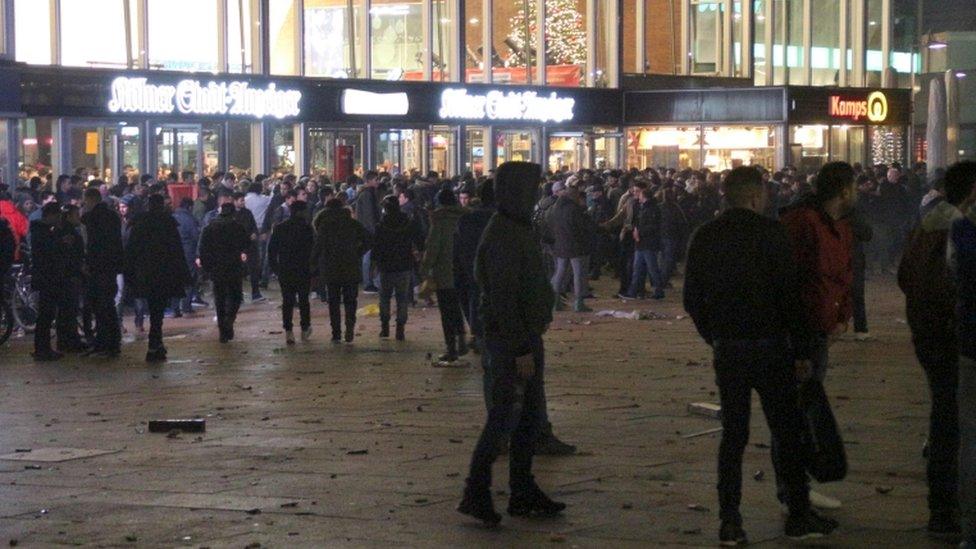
<point>825,54</point>
<point>239,148</point>
<point>283,43</point>
<point>474,153</point>
<point>445,20</point>
<point>794,51</point>
<point>662,36</point>
<point>514,36</point>
<point>565,42</point>
<point>397,40</point>
<point>32,19</point>
<point>605,74</point>
<point>474,51</point>
<point>34,149</point>
<point>707,36</point>
<point>760,51</point>
<point>728,147</point>
<point>178,42</point>
<point>809,147</point>
<point>333,45</point>
<point>4,137</point>
<point>106,48</point>
<point>664,146</point>
<point>240,35</point>
<point>283,149</point>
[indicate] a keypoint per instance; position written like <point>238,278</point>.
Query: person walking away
<point>470,227</point>
<point>246,219</point>
<point>437,268</point>
<point>822,241</point>
<point>962,264</point>
<point>103,255</point>
<point>742,292</point>
<point>646,234</point>
<point>394,250</point>
<point>289,255</point>
<point>516,305</point>
<point>155,268</point>
<point>49,263</point>
<point>863,233</point>
<point>569,227</point>
<point>340,243</point>
<point>930,304</point>
<point>368,214</point>
<point>224,247</point>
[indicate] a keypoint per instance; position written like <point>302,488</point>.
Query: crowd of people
<point>775,271</point>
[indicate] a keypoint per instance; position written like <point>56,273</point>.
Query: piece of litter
<point>883,489</point>
<point>184,425</point>
<point>253,511</point>
<point>707,409</point>
<point>702,433</point>
<point>357,452</point>
<point>557,538</point>
<point>759,475</point>
<point>697,507</point>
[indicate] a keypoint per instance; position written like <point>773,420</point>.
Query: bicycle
<point>20,301</point>
<point>6,315</point>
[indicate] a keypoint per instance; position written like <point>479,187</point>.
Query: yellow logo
<point>877,107</point>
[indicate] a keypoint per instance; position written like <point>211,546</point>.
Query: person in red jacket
<point>822,241</point>
<point>17,220</point>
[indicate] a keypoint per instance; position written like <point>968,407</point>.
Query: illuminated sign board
<point>874,108</point>
<point>137,95</point>
<point>372,103</point>
<point>457,103</point>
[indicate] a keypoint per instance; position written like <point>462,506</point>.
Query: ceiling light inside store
<point>872,23</point>
<point>474,21</point>
<point>960,74</point>
<point>936,45</point>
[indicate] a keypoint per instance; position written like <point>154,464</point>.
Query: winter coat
<point>924,277</point>
<point>438,262</point>
<point>863,233</point>
<point>104,247</point>
<point>421,221</point>
<point>647,221</point>
<point>189,230</point>
<point>74,248</point>
<point>290,251</point>
<point>570,228</point>
<point>368,208</point>
<point>962,263</point>
<point>469,230</point>
<point>674,224</point>
<point>339,248</point>
<point>394,243</point>
<point>516,296</point>
<point>221,246</point>
<point>8,247</point>
<point>822,248</point>
<point>18,223</point>
<point>154,265</point>
<point>49,258</point>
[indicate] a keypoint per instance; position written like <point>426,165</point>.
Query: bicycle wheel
<point>24,304</point>
<point>6,321</point>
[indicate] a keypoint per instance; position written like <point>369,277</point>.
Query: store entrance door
<point>103,151</point>
<point>567,151</point>
<point>398,151</point>
<point>178,150</point>
<point>335,154</point>
<point>442,150</point>
<point>517,145</point>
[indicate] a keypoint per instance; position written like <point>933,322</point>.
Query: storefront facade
<point>103,123</point>
<point>801,126</point>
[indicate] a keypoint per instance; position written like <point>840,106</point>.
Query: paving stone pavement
<point>366,445</point>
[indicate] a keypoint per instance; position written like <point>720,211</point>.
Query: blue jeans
<point>669,254</point>
<point>395,284</point>
<point>514,409</point>
<point>967,447</point>
<point>578,264</point>
<point>645,263</point>
<point>369,277</point>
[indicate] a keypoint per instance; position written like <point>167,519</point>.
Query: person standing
<point>246,219</point>
<point>437,267</point>
<point>822,241</point>
<point>470,227</point>
<point>103,255</point>
<point>48,266</point>
<point>189,230</point>
<point>646,234</point>
<point>368,215</point>
<point>516,305</point>
<point>155,268</point>
<point>930,303</point>
<point>569,227</point>
<point>394,252</point>
<point>863,233</point>
<point>742,292</point>
<point>340,242</point>
<point>224,247</point>
<point>74,278</point>
<point>289,255</point>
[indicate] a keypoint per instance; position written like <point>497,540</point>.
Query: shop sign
<point>497,105</point>
<point>371,103</point>
<point>235,98</point>
<point>874,108</point>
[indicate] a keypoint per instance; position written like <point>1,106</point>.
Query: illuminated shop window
<point>32,22</point>
<point>179,42</point>
<point>333,45</point>
<point>81,47</point>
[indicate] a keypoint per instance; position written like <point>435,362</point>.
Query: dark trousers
<point>857,301</point>
<point>290,292</point>
<point>395,284</point>
<point>451,321</point>
<point>669,259</point>
<point>100,297</point>
<point>254,268</point>
<point>514,408</point>
<point>157,309</point>
<point>468,298</point>
<point>342,296</point>
<point>49,301</point>
<point>625,264</point>
<point>767,367</point>
<point>67,317</point>
<point>941,365</point>
<point>227,301</point>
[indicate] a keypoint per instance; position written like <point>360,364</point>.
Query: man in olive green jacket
<point>437,268</point>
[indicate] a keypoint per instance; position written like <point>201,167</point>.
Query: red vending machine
<point>344,163</point>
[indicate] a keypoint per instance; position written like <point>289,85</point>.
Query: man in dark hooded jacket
<point>469,230</point>
<point>289,251</point>
<point>393,253</point>
<point>104,260</point>
<point>49,265</point>
<point>516,306</point>
<point>337,255</point>
<point>224,245</point>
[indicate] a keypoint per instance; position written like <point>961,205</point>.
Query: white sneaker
<point>289,337</point>
<point>821,501</point>
<point>863,336</point>
<point>306,335</point>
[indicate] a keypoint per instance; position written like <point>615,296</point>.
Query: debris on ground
<point>706,409</point>
<point>703,433</point>
<point>634,315</point>
<point>697,507</point>
<point>357,452</point>
<point>373,309</point>
<point>883,490</point>
<point>557,538</point>
<point>184,425</point>
<point>759,475</point>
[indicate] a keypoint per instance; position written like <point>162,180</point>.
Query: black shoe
<point>385,330</point>
<point>336,337</point>
<point>462,345</point>
<point>224,338</point>
<point>371,290</point>
<point>47,356</point>
<point>91,351</point>
<point>258,298</point>
<point>401,334</point>
<point>477,504</point>
<point>809,525</point>
<point>944,525</point>
<point>156,355</point>
<point>732,535</point>
<point>350,335</point>
<point>475,345</point>
<point>549,445</point>
<point>447,357</point>
<point>110,354</point>
<point>533,503</point>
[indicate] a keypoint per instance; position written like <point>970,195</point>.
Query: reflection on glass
<point>283,149</point>
<point>283,39</point>
<point>397,40</point>
<point>32,31</point>
<point>239,148</point>
<point>664,146</point>
<point>335,154</point>
<point>106,48</point>
<point>333,46</point>
<point>474,153</point>
<point>34,147</point>
<point>514,145</point>
<point>178,42</point>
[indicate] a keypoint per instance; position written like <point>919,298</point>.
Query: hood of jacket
<point>941,217</point>
<point>447,213</point>
<point>516,184</point>
<point>396,221</point>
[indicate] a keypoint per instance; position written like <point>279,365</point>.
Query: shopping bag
<point>826,459</point>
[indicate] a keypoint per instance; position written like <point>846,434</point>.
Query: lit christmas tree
<point>565,33</point>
